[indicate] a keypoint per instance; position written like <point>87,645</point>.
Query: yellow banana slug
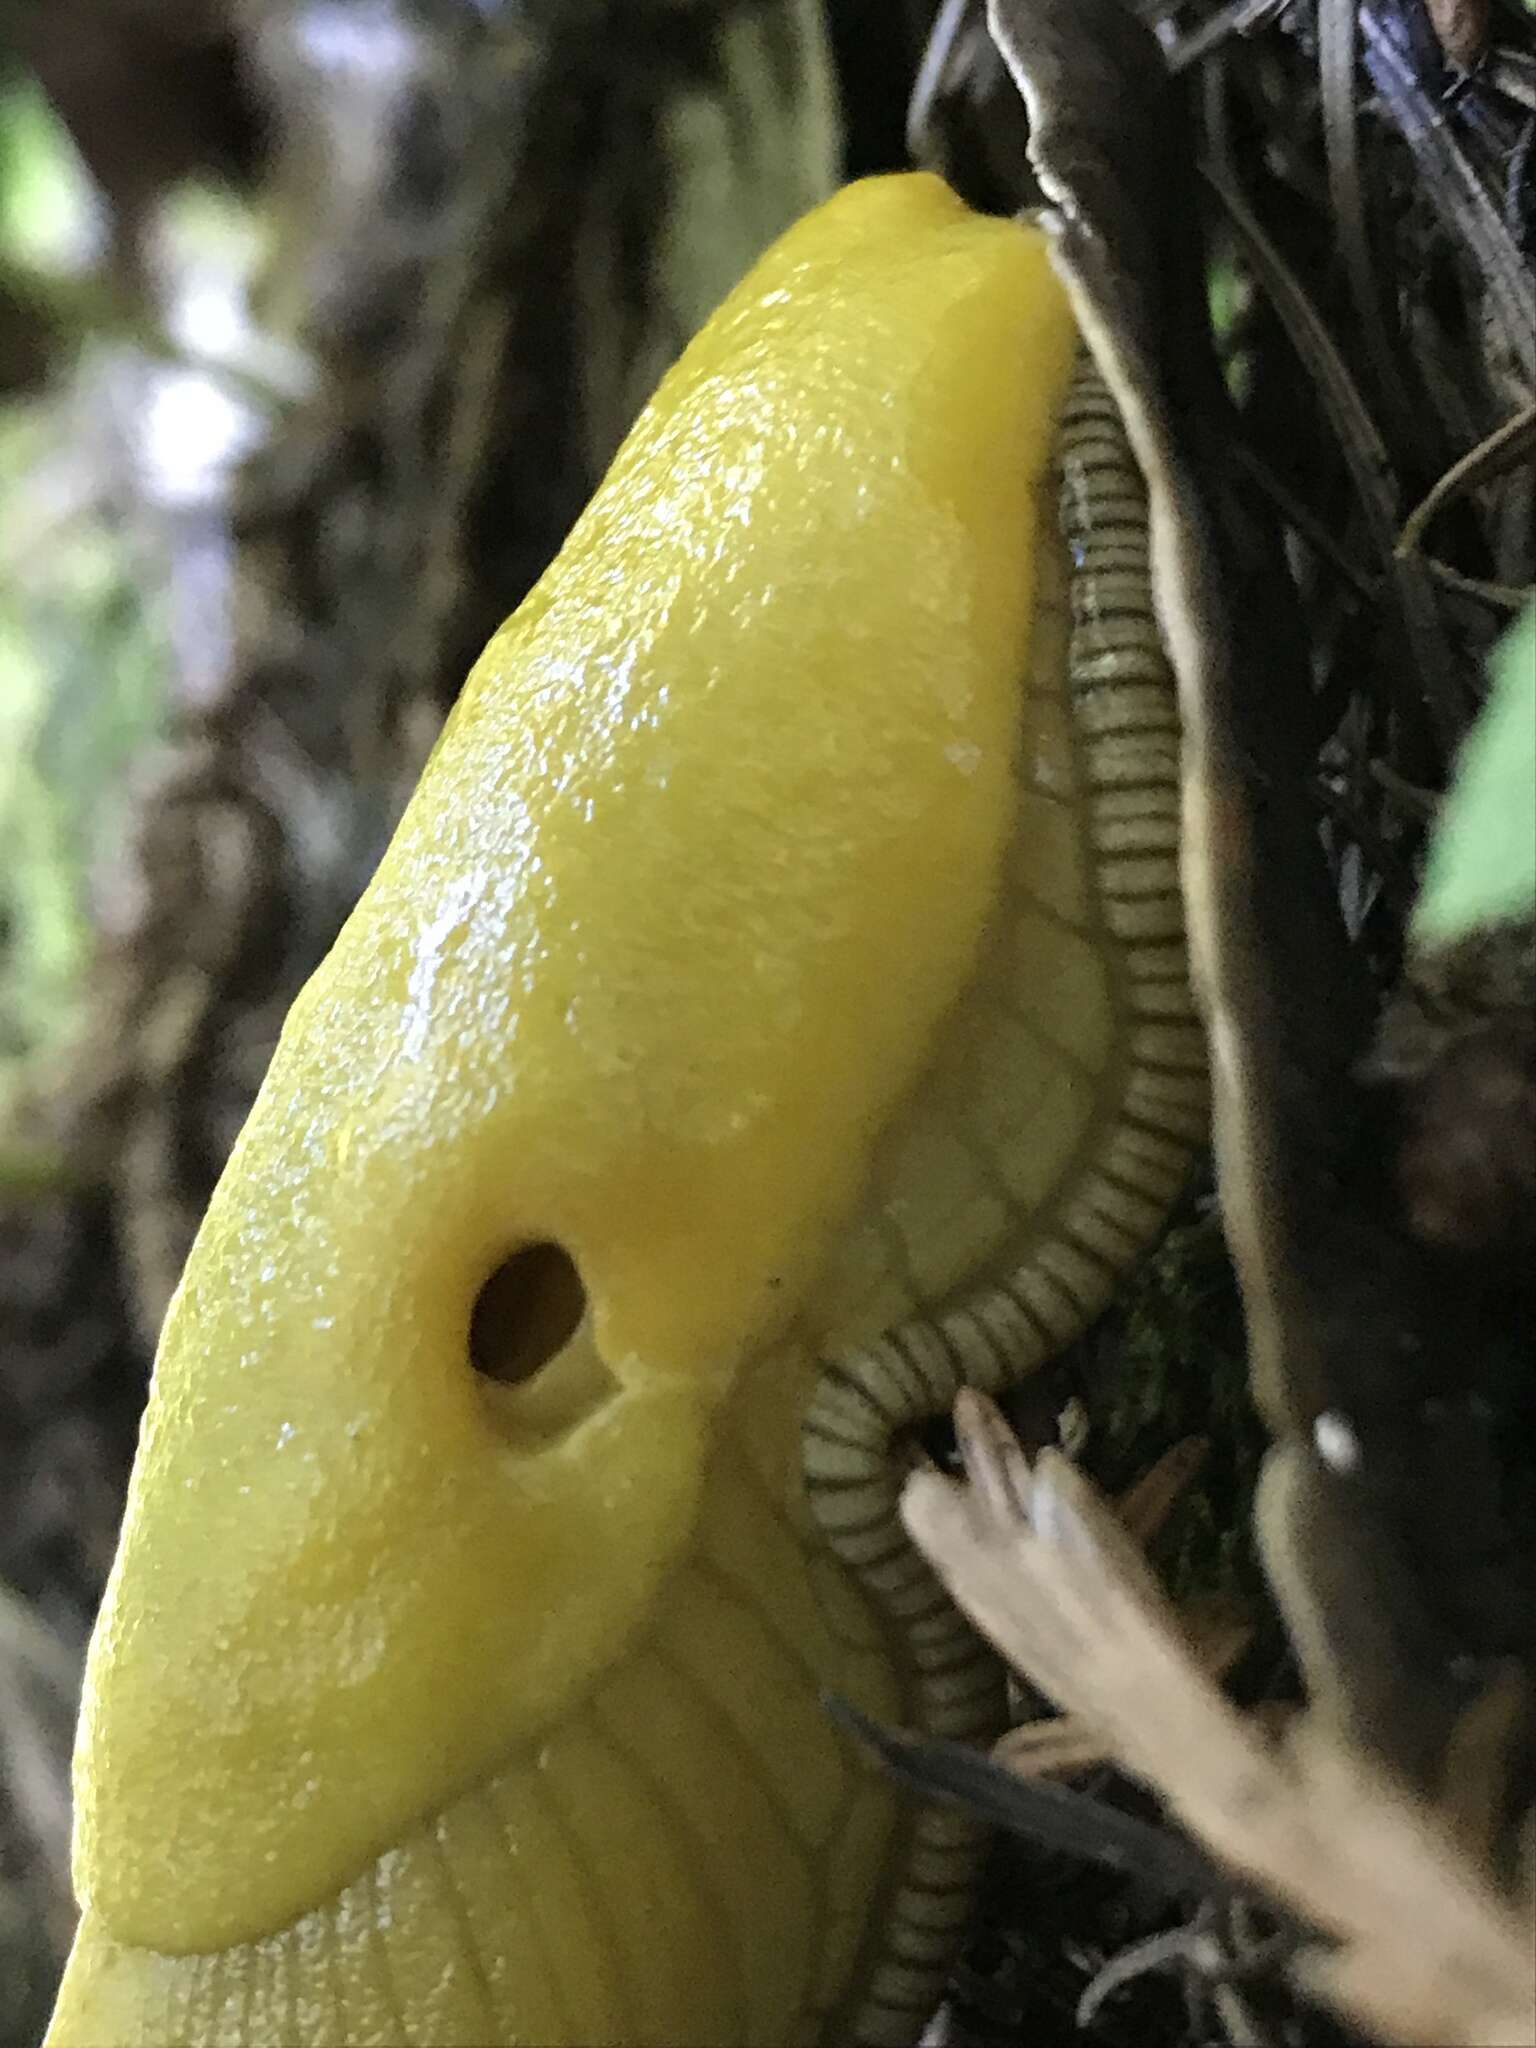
<point>771,1010</point>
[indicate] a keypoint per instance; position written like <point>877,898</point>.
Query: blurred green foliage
<point>50,218</point>
<point>80,661</point>
<point>1482,858</point>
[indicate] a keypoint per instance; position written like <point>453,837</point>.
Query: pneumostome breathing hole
<point>526,1313</point>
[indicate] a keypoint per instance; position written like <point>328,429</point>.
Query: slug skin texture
<point>425,1708</point>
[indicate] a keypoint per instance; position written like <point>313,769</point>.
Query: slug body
<point>776,984</point>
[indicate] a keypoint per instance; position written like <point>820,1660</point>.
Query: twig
<point>1500,451</point>
<point>1449,179</point>
<point>1427,677</point>
<point>1337,52</point>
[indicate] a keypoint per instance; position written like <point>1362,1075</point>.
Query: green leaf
<point>1482,854</point>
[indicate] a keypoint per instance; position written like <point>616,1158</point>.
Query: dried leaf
<point>1427,1951</point>
<point>1345,1316</point>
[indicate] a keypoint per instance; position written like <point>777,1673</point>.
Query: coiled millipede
<point>1109,1183</point>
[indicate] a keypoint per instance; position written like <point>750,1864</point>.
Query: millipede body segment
<point>1051,1210</point>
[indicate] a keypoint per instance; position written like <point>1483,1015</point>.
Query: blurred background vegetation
<point>319,320</point>
<point>80,656</point>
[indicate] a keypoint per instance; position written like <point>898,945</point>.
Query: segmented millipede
<point>1107,1207</point>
